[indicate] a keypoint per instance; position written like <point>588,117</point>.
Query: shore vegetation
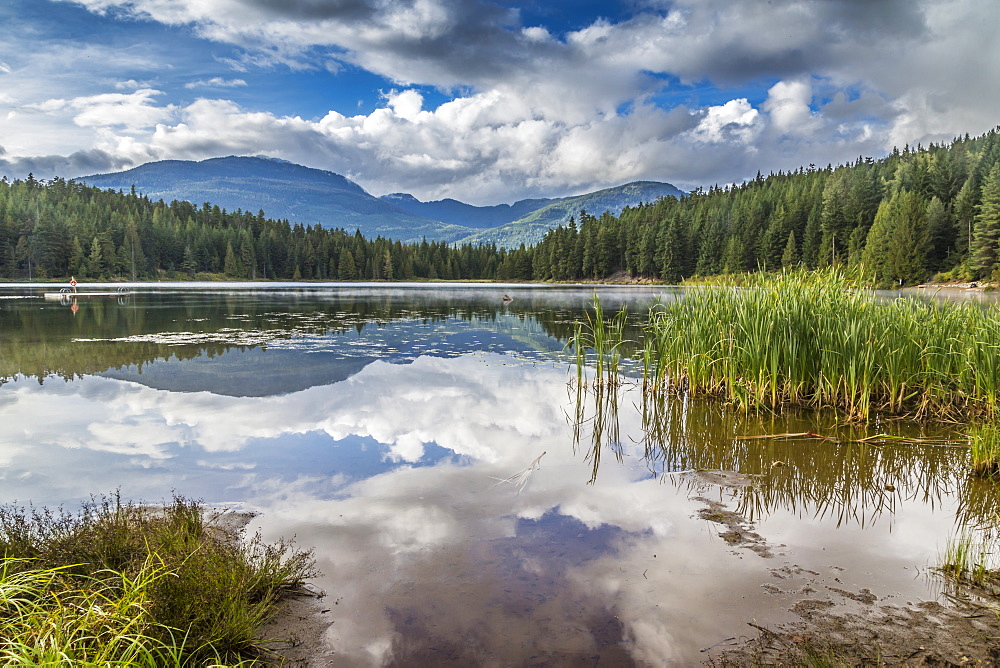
<point>123,584</point>
<point>984,442</point>
<point>817,340</point>
<point>971,557</point>
<point>813,340</point>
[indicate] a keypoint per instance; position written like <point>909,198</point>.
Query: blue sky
<point>491,102</point>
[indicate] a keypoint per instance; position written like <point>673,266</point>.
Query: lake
<point>468,503</point>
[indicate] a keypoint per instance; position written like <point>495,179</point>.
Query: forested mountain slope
<point>527,221</point>
<point>903,218</point>
<point>283,190</point>
<point>531,228</point>
<point>459,213</point>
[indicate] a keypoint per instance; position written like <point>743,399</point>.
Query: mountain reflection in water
<point>379,424</point>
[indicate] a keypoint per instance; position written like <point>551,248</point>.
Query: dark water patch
<point>535,616</point>
<point>244,373</point>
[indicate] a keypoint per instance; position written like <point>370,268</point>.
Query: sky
<point>492,101</point>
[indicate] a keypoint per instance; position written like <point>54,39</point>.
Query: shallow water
<point>468,505</point>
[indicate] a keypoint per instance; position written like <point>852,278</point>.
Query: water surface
<point>468,504</point>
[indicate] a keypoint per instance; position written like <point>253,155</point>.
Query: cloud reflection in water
<point>392,476</point>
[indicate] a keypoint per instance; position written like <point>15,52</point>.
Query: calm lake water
<point>467,504</point>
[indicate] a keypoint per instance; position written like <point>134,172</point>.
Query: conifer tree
<point>95,263</point>
<point>964,211</point>
<point>985,251</point>
<point>790,257</point>
<point>387,265</point>
<point>247,258</point>
<point>346,269</point>
<point>942,233</point>
<point>896,249</point>
<point>910,242</point>
<point>230,266</point>
<point>77,258</point>
<point>188,264</point>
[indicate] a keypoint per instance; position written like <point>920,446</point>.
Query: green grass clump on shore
<point>47,619</point>
<point>984,443</point>
<point>815,340</point>
<point>122,584</point>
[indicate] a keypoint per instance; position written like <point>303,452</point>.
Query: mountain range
<point>284,190</point>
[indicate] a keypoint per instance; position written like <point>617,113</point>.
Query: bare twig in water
<point>877,439</point>
<point>723,641</point>
<point>520,479</point>
<point>803,434</point>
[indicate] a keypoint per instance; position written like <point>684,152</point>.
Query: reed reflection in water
<point>801,463</point>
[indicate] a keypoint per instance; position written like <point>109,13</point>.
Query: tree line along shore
<point>917,214</point>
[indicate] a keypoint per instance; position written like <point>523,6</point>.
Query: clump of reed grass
<point>50,619</point>
<point>123,584</point>
<point>984,442</point>
<point>971,557</point>
<point>600,339</point>
<point>816,340</point>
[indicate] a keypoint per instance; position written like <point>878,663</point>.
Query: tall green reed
<point>599,339</point>
<point>817,340</point>
<point>984,444</point>
<point>971,556</point>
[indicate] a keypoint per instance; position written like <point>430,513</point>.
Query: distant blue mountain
<point>458,213</point>
<point>285,190</point>
<point>530,228</point>
<point>528,220</point>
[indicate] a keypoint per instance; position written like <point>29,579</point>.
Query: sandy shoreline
<point>976,286</point>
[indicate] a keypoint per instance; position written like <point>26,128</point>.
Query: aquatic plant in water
<point>984,443</point>
<point>816,340</point>
<point>972,556</point>
<point>601,339</point>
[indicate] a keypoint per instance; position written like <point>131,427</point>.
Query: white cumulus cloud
<point>735,120</point>
<point>788,104</point>
<point>216,82</point>
<point>531,111</point>
<point>131,111</point>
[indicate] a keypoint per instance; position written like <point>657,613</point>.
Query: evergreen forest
<point>917,213</point>
<point>60,228</point>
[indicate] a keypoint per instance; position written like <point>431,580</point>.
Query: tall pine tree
<point>985,251</point>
